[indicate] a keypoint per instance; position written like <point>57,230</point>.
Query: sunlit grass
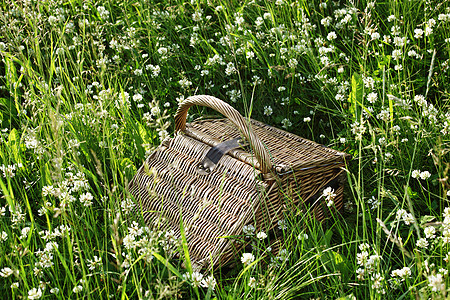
<point>88,90</point>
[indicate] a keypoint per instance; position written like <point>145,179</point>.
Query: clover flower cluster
<point>73,186</point>
<point>197,279</point>
<point>143,242</point>
<point>9,171</point>
<point>369,262</point>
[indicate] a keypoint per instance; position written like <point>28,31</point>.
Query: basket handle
<point>234,116</point>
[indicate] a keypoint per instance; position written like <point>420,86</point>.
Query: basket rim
<point>281,169</point>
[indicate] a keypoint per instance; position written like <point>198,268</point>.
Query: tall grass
<point>88,89</point>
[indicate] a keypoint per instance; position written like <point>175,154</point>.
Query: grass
<point>88,90</point>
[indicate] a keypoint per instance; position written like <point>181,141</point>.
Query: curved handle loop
<point>234,116</point>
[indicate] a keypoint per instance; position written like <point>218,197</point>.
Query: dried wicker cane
<point>240,187</point>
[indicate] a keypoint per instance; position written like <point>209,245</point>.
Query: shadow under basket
<point>207,177</point>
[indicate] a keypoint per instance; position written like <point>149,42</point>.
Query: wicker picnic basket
<point>206,176</point>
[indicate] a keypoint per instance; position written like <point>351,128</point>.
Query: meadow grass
<point>88,89</point>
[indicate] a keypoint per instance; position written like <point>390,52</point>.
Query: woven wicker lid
<point>288,151</point>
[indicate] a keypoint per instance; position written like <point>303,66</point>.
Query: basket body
<point>236,193</point>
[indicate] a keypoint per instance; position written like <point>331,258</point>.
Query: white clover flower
<point>372,261</point>
<point>209,281</point>
<point>234,95</point>
<point>403,273</point>
<point>448,193</point>
<point>24,232</point>
<point>230,69</point>
<point>372,97</point>
<point>424,175</point>
<point>104,14</point>
<point>137,97</point>
<point>307,119</point>
<point>155,110</point>
<point>412,53</point>
<point>446,213</point>
<point>54,290</point>
<point>286,123</point>
<point>361,258</point>
<point>248,230</point>
<point>94,263</point>
<point>52,20</point>
<point>422,243</point>
<point>360,273</point>
<point>283,255</point>
<point>282,225</point>
<point>268,110</point>
<point>129,241</point>
<point>415,174</point>
<point>261,235</point>
<point>281,88</point>
<point>375,35</point>
<point>395,30</point>
<point>15,285</point>
<point>250,54</point>
<point>408,218</point>
<point>430,232</point>
<point>382,141</point>
<point>6,272</point>
<point>374,202</point>
<point>163,134</point>
<point>436,282</point>
<point>364,247</point>
<point>377,282</point>
<point>292,63</point>
<point>397,54</point>
<point>444,17</point>
<point>431,22</point>
<point>4,236</point>
<point>77,289</point>
<point>163,51</point>
<point>8,171</point>
<point>34,293</point>
<point>239,21</point>
<point>358,130</point>
<point>420,100</point>
<point>303,236</point>
<point>197,16</point>
<point>332,36</point>
<point>155,70</point>
<point>399,41</point>
<point>252,282</point>
<point>86,199</point>
<point>329,193</point>
<point>446,236</point>
<point>247,258</point>
<point>418,33</point>
<point>184,83</point>
<point>196,278</point>
<point>259,21</point>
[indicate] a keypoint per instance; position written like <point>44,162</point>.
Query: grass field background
<point>88,89</point>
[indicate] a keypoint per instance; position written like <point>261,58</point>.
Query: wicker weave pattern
<point>167,186</point>
<point>282,171</point>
